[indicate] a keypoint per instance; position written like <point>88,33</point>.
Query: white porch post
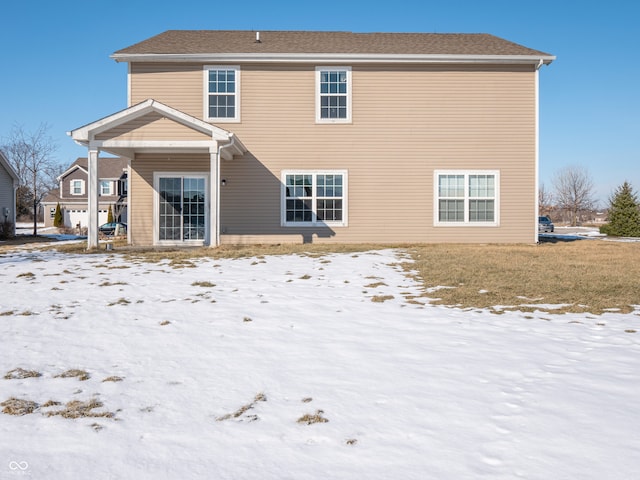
<point>214,195</point>
<point>92,199</point>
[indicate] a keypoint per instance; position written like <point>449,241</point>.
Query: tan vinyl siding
<point>407,122</point>
<point>177,85</point>
<point>152,127</point>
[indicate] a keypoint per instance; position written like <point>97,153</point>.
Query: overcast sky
<point>56,67</point>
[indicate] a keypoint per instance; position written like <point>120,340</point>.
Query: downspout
<point>537,148</point>
<point>217,179</point>
<point>16,185</point>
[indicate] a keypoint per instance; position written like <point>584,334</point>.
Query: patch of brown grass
<point>19,240</point>
<point>111,284</point>
<point>260,397</point>
<point>588,275</point>
<point>376,285</point>
<point>79,374</point>
<point>20,373</point>
<point>311,418</point>
<point>80,409</point>
<point>18,406</point>
<point>120,301</point>
<point>159,254</point>
<point>381,298</point>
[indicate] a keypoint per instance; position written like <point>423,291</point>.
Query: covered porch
<point>174,194</point>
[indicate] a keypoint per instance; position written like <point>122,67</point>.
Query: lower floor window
<point>466,198</point>
<point>311,198</point>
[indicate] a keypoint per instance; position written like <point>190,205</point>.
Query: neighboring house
<point>72,193</point>
<point>263,137</point>
<point>9,182</point>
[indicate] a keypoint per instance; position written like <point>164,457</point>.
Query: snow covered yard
<point>299,367</point>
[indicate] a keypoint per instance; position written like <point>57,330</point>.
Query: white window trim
<point>349,88</point>
<point>205,76</point>
<point>72,189</point>
<point>315,223</point>
<point>156,208</point>
<point>466,222</point>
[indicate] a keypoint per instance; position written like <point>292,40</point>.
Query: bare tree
<point>574,191</point>
<point>545,200</point>
<point>31,154</point>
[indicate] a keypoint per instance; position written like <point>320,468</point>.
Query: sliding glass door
<point>181,208</point>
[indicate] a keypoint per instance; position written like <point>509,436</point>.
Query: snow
<point>410,391</point>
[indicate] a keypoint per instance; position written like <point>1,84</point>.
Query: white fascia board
<point>331,57</point>
<point>154,144</point>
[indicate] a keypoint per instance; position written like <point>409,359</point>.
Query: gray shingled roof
<point>189,42</point>
<point>108,167</point>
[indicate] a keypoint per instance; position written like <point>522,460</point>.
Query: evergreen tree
<point>624,213</point>
<point>110,215</point>
<point>58,219</point>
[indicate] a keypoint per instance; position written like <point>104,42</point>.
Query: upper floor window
<point>77,187</point>
<point>105,187</point>
<point>466,198</point>
<point>222,93</point>
<point>333,94</point>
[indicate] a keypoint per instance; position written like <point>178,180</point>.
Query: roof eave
<point>330,57</point>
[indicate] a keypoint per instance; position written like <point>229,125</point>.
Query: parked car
<point>110,228</point>
<point>545,224</point>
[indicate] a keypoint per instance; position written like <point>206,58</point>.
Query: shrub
<point>624,213</point>
<point>6,230</point>
<point>58,219</point>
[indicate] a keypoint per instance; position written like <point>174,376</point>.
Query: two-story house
<point>299,136</point>
<point>72,193</point>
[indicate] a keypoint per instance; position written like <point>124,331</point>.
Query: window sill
<point>466,224</point>
<point>222,120</point>
<point>316,225</point>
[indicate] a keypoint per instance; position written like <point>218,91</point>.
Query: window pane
<point>329,210</point>
<point>451,211</point>
<point>451,186</point>
<point>481,186</point>
<point>481,211</point>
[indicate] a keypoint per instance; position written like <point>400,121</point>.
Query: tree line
<point>32,156</point>
<point>573,196</point>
